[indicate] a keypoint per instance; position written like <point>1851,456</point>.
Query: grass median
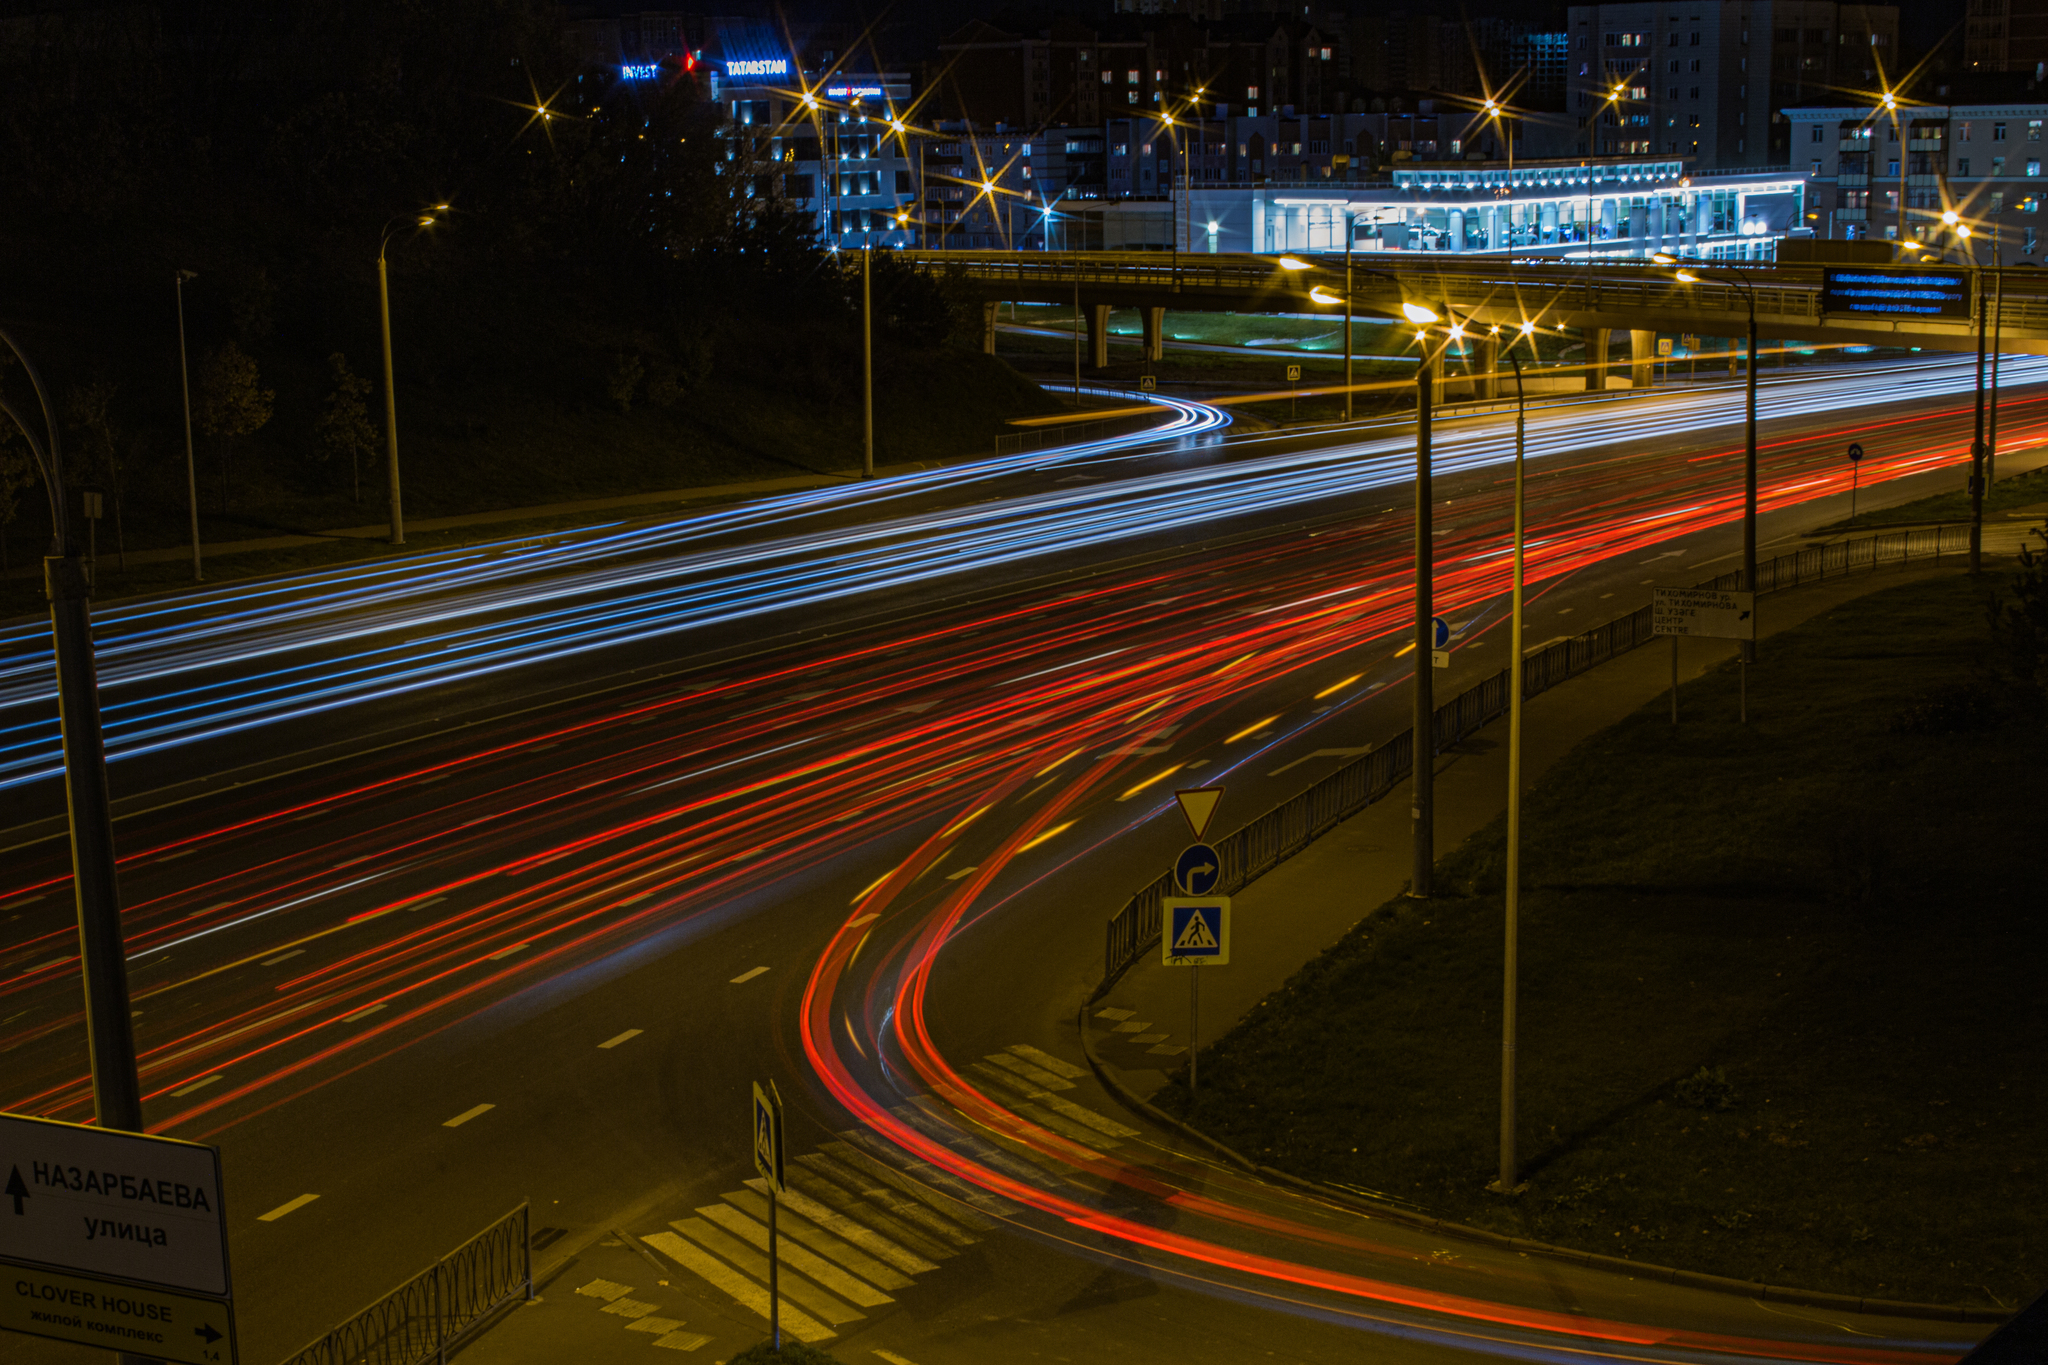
<point>1782,986</point>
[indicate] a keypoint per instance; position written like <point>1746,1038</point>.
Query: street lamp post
<point>1422,808</point>
<point>117,1095</point>
<point>1693,276</point>
<point>1510,1164</point>
<point>185,385</point>
<point>419,220</point>
<point>1347,312</point>
<point>867,363</point>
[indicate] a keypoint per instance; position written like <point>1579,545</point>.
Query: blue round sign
<point>1443,631</point>
<point>1197,869</point>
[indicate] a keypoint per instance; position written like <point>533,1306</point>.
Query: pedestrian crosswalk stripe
<point>795,1288</point>
<point>866,1238</point>
<point>1056,1065</point>
<point>903,1207</point>
<point>920,1180</point>
<point>790,1223</point>
<point>909,1234</point>
<point>797,1256</point>
<point>719,1275</point>
<point>1016,1066</point>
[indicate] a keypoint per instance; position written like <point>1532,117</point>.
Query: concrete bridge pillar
<point>988,328</point>
<point>1098,335</point>
<point>1155,333</point>
<point>1489,363</point>
<point>1596,359</point>
<point>1642,359</point>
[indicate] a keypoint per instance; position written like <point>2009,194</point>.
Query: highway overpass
<point>1931,307</point>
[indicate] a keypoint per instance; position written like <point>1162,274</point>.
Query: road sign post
<point>1855,470</point>
<point>1294,398</point>
<point>115,1240</point>
<point>1197,870</point>
<point>1703,611</point>
<point>1147,384</point>
<point>1194,932</point>
<point>768,1163</point>
<point>1440,638</point>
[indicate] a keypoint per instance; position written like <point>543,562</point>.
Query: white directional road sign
<point>1195,932</point>
<point>126,1205</point>
<point>768,1136</point>
<point>114,1240</point>
<point>1703,611</point>
<point>1198,804</point>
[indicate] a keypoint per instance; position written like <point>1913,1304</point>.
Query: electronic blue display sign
<point>1881,293</point>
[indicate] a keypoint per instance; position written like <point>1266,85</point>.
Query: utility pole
<point>390,404</point>
<point>1420,808</point>
<point>1347,312</point>
<point>185,384</point>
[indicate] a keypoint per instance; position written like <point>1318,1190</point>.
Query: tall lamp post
<point>1510,1164</point>
<point>1979,448</point>
<point>1694,276</point>
<point>185,385</point>
<point>117,1095</point>
<point>418,221</point>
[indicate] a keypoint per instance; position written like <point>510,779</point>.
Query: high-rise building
<point>1705,78</point>
<point>2006,35</point>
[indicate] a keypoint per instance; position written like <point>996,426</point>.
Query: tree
<point>232,403</point>
<point>95,452</point>
<point>624,381</point>
<point>344,422</point>
<point>17,472</point>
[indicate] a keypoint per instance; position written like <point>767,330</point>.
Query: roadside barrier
<point>436,1310</point>
<point>1284,831</point>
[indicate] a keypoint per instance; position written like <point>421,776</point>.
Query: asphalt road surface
<point>501,874</point>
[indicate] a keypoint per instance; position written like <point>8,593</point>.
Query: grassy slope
<point>1684,908</point>
<point>2004,495</point>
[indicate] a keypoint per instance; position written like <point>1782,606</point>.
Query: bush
<point>2019,622</point>
<point>1959,708</point>
<point>1705,1089</point>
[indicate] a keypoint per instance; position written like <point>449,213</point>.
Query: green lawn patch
<point>2004,495</point>
<point>1783,986</point>
<point>793,1352</point>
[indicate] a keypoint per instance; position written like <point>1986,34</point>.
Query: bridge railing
<point>1294,824</point>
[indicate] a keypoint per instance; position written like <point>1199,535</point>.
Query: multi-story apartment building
<point>1080,73</point>
<point>1884,174</point>
<point>2006,35</point>
<point>1704,78</point>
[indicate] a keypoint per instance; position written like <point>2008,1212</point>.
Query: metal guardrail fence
<point>1075,433</point>
<point>1293,825</point>
<point>428,1315</point>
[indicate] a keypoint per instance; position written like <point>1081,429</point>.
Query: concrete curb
<point>1644,1270</point>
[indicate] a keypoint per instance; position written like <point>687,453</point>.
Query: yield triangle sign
<point>1195,936</point>
<point>1198,804</point>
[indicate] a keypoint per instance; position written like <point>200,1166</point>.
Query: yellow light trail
<point>1337,687</point>
<point>1055,830</point>
<point>1251,729</point>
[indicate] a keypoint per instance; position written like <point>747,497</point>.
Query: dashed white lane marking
<point>507,952</point>
<point>362,1013</point>
<point>744,977</point>
<point>288,1206</point>
<point>956,876</point>
<point>421,905</point>
<point>199,1084</point>
<point>628,1035</point>
<point>466,1115</point>
<point>1321,753</point>
<point>273,961</point>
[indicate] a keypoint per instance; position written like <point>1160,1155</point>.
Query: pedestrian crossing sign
<point>1196,931</point>
<point>768,1136</point>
